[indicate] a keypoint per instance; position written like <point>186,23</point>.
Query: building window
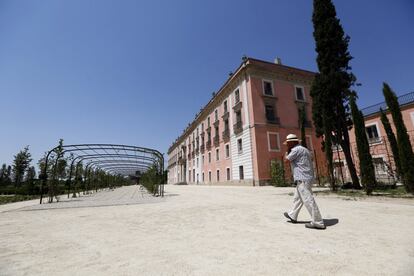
<point>379,165</point>
<point>208,121</point>
<point>225,106</point>
<point>202,160</point>
<point>218,175</point>
<point>217,155</point>
<point>372,133</point>
<point>270,113</point>
<point>299,93</point>
<point>267,88</point>
<point>236,96</point>
<point>197,162</point>
<point>209,176</point>
<point>193,175</point>
<point>239,145</point>
<point>241,173</point>
<point>226,124</point>
<point>197,179</point>
<point>202,127</point>
<point>227,151</point>
<point>189,175</point>
<point>228,174</point>
<point>273,141</point>
<point>216,129</point>
<point>209,157</point>
<point>238,116</point>
<point>202,176</point>
<point>216,115</point>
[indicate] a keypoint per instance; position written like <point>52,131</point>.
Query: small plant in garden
<point>277,173</point>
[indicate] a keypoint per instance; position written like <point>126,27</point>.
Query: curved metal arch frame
<point>96,158</point>
<point>83,152</point>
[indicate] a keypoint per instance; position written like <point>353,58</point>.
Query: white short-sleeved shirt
<point>301,161</point>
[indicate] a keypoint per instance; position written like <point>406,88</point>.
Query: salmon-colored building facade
<point>236,136</point>
<point>379,145</point>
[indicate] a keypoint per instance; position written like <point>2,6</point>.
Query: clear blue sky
<point>136,72</point>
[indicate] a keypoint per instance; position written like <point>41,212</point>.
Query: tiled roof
<point>402,100</point>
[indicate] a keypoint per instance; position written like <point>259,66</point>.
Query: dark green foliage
<point>151,179</point>
<point>30,180</point>
<point>302,120</point>
<point>5,175</point>
<point>404,146</point>
<point>331,88</point>
<point>392,141</point>
<point>366,166</point>
<point>277,174</point>
<point>21,163</point>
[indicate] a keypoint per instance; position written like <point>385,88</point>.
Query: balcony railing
<point>225,115</point>
<point>273,120</point>
<point>374,140</point>
<point>226,134</point>
<point>216,140</point>
<point>181,159</point>
<point>237,106</point>
<point>208,144</point>
<point>202,148</point>
<point>216,123</point>
<point>238,127</point>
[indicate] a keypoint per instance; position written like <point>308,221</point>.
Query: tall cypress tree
<point>392,141</point>
<point>404,146</point>
<point>366,166</point>
<point>331,88</point>
<point>302,120</point>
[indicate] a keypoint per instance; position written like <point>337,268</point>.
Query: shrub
<point>277,173</point>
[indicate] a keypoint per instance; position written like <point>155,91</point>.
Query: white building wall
<point>243,158</point>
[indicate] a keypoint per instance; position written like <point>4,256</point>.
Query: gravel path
<point>120,196</point>
<point>202,230</point>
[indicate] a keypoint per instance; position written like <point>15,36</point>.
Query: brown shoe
<point>313,226</point>
<point>289,218</point>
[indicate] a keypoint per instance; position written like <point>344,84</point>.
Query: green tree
<point>404,146</point>
<point>366,166</point>
<point>3,172</point>
<point>21,163</point>
<point>331,88</point>
<point>30,178</point>
<point>302,120</point>
<point>151,178</point>
<point>392,141</point>
<point>57,168</point>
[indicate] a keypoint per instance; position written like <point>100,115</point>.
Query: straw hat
<point>291,138</point>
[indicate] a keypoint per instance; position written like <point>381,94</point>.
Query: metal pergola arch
<point>110,158</point>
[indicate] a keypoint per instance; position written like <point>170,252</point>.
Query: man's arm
<point>292,155</point>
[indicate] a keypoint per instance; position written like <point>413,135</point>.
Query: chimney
<point>278,60</point>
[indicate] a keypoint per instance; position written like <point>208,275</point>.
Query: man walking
<point>301,161</point>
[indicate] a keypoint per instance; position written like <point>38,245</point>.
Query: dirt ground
<point>203,230</point>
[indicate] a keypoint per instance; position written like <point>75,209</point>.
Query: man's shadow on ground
<point>327,222</point>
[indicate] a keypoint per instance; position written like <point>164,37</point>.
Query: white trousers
<point>303,196</point>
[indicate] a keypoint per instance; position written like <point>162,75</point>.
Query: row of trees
<point>21,177</point>
<point>335,110</point>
